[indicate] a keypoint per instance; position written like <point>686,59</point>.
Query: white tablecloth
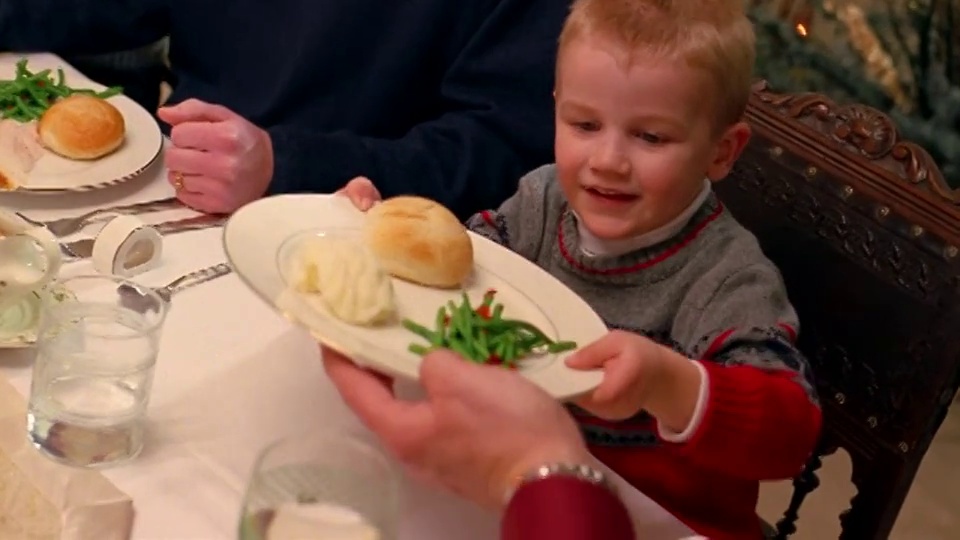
<point>231,377</point>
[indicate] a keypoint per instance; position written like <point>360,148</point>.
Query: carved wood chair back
<point>866,233</point>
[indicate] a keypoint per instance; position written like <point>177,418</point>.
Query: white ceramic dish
<point>53,174</point>
<point>20,322</point>
<point>260,237</point>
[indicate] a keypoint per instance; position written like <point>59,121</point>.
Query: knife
<point>82,249</point>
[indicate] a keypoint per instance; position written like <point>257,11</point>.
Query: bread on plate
<point>419,240</point>
<point>82,127</point>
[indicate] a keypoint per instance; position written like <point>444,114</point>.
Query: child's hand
<point>631,364</point>
<point>361,192</point>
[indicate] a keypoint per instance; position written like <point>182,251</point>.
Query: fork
<point>69,225</point>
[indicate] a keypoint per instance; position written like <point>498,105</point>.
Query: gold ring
<point>178,180</point>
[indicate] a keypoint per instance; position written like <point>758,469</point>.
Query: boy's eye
<point>648,137</point>
<point>586,126</point>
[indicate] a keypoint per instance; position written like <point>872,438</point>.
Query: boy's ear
<point>728,149</point>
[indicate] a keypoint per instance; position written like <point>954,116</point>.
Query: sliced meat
<point>19,151</point>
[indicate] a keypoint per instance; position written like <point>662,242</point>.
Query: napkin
<point>44,500</point>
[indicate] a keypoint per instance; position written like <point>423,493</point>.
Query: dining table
<point>232,375</point>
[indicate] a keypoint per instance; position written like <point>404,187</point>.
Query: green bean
<point>561,346</point>
<point>21,106</point>
<point>465,318</point>
<point>43,75</point>
<point>481,335</point>
<point>503,348</point>
<point>482,345</point>
<point>440,335</point>
<point>418,329</point>
<point>110,92</point>
<point>418,349</point>
<point>462,350</point>
<point>28,96</point>
<point>512,355</point>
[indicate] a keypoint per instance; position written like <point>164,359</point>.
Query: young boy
<point>704,394</point>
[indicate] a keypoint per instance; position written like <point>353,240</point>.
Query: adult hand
<point>218,161</point>
<point>478,429</point>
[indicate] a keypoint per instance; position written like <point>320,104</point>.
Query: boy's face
<point>635,141</point>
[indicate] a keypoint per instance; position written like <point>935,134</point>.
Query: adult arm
<point>565,508</point>
<point>81,26</point>
<point>498,123</point>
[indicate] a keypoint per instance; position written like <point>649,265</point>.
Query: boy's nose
<point>609,157</point>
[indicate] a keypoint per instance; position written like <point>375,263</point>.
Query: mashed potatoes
<point>345,278</point>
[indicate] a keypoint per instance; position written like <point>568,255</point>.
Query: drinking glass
<point>331,486</point>
<point>93,372</point>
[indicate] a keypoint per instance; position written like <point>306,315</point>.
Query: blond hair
<point>712,35</point>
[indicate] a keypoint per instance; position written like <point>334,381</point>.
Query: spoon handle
<point>197,277</point>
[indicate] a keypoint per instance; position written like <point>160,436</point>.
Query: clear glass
<point>96,352</point>
<point>332,486</point>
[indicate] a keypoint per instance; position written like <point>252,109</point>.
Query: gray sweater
<point>708,292</point>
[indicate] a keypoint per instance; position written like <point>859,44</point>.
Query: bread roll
<point>419,240</point>
<point>82,127</point>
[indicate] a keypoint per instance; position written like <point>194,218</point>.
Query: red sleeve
<point>758,424</point>
<point>565,508</point>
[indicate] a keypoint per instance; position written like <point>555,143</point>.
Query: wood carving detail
<point>890,257</point>
<point>882,391</point>
<point>885,390</point>
<point>863,130</point>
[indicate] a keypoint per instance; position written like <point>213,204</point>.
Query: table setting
<point>181,334</point>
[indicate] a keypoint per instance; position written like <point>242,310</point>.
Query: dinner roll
<point>419,240</point>
<point>82,127</point>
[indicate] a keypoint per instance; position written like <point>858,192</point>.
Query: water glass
<point>330,486</point>
<point>93,372</point>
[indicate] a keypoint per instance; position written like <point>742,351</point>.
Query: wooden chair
<point>866,233</point>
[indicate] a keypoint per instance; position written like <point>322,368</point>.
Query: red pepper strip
<point>494,360</point>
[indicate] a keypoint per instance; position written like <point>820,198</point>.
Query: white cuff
<point>698,410</point>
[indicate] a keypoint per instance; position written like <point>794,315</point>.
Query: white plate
<point>53,174</point>
<point>259,237</point>
<point>20,322</point>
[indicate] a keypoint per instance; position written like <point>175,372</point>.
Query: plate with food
<point>61,132</point>
<point>387,286</point>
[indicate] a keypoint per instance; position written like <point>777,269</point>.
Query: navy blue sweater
<point>445,98</point>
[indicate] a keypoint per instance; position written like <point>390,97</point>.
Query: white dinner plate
<point>260,237</point>
<point>53,174</point>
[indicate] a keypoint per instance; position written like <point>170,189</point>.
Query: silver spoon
<point>137,297</point>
